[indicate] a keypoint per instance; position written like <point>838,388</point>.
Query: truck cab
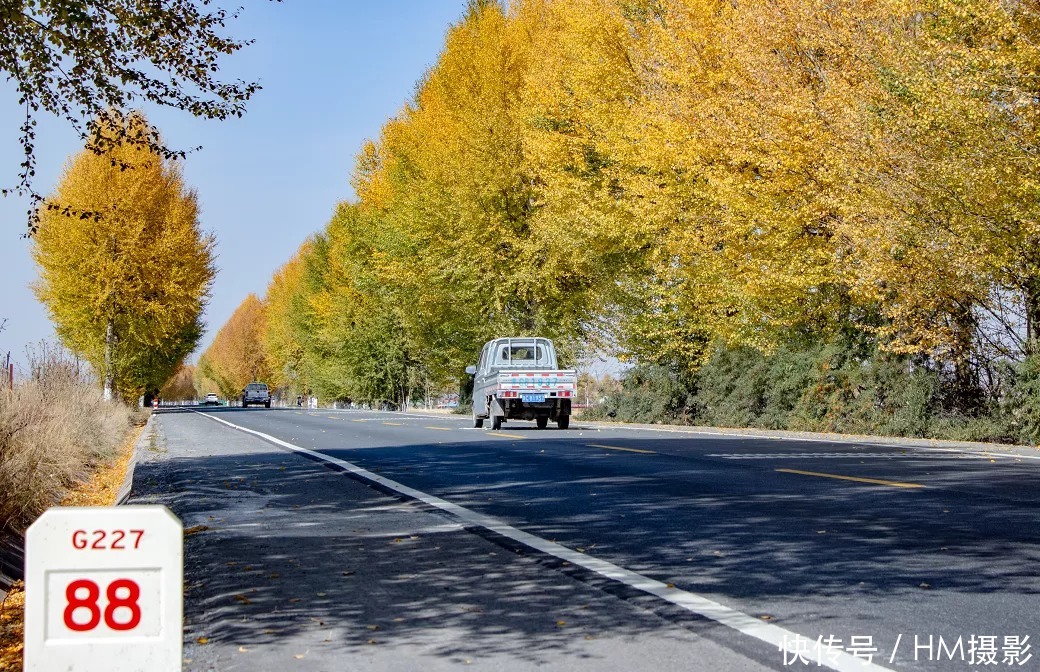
<point>517,378</point>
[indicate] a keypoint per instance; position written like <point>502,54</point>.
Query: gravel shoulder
<point>290,565</point>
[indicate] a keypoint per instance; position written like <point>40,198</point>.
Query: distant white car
<point>212,399</point>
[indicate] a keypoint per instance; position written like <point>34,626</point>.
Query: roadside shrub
<point>731,388</point>
<point>648,393</point>
<point>845,386</point>
<point>1021,410</point>
<point>54,428</point>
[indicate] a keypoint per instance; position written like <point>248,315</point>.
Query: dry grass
<point>100,489</point>
<point>60,442</point>
<point>55,430</point>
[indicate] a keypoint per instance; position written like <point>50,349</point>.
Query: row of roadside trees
<point>676,180</point>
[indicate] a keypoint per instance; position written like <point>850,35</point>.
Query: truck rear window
<point>531,354</point>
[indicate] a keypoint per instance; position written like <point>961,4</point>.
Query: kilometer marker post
<point>104,590</point>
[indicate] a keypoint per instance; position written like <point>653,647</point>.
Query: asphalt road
<point>703,550</point>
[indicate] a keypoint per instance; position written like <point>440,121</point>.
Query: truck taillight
<point>510,394</point>
<point>565,393</point>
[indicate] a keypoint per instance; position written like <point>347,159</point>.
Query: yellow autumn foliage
<point>236,357</point>
<point>141,265</point>
<point>654,176</point>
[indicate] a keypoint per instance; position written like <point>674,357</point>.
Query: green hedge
<point>846,386</point>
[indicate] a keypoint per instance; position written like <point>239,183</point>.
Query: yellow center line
<point>395,424</point>
<point>627,450</point>
<point>357,420</point>
<point>506,436</point>
<point>443,429</point>
<point>332,417</point>
<point>875,481</point>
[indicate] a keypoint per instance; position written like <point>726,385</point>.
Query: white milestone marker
<point>104,590</point>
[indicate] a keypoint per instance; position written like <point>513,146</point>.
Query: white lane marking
<point>778,637</point>
<point>798,456</point>
<point>627,450</point>
<point>708,432</point>
<point>838,440</point>
<point>1011,456</point>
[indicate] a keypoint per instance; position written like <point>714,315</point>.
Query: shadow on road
<point>290,548</point>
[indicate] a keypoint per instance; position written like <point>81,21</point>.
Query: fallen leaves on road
<point>195,529</point>
<point>203,640</point>
<point>243,599</point>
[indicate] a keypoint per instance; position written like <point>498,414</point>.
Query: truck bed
<point>549,382</point>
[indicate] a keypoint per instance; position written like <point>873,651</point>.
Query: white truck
<point>256,393</point>
<point>518,379</point>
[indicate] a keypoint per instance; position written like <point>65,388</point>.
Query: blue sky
<point>333,72</point>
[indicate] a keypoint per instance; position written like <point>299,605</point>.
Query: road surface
<point>365,540</point>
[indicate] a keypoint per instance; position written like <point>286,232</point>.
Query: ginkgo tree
<point>236,357</point>
<point>286,327</point>
<point>125,291</point>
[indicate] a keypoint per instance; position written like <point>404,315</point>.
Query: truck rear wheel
<point>496,422</point>
<point>542,421</point>
<point>478,422</point>
<point>563,422</point>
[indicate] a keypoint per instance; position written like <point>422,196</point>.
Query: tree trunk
<point>1032,306</point>
<point>109,377</point>
<point>967,391</point>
